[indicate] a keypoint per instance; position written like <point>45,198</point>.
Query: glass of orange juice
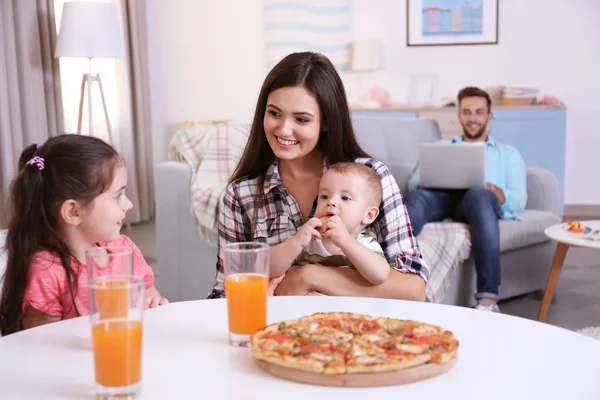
<point>112,261</point>
<point>246,289</point>
<point>116,312</point>
<point>116,263</point>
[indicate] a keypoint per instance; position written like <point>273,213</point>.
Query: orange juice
<point>117,352</point>
<point>246,302</point>
<point>112,298</point>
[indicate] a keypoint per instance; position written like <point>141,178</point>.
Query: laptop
<point>452,166</point>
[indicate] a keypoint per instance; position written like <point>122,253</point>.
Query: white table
<point>186,356</point>
<point>565,239</point>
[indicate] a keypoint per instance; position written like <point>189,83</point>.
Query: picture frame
<point>451,22</point>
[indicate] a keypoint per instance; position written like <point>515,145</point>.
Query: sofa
<point>186,264</point>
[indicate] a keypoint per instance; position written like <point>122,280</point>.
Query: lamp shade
<point>368,55</point>
<point>90,30</point>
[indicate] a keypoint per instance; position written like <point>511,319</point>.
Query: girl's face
<point>292,122</point>
<point>103,217</point>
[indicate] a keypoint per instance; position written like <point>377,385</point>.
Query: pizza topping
<point>279,337</point>
<point>425,330</point>
<point>371,326</point>
<point>409,348</point>
<point>428,340</point>
<point>332,323</point>
<point>367,360</point>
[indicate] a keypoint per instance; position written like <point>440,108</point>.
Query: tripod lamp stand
<point>91,30</point>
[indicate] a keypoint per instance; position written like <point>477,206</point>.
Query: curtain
<point>134,106</point>
<point>30,97</point>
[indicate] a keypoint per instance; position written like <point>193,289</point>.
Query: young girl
<point>301,126</point>
<point>68,196</point>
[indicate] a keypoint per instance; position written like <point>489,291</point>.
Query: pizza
<point>345,343</point>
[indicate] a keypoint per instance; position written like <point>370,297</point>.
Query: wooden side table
<point>565,240</point>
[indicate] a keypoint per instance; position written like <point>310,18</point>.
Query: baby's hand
<point>153,302</point>
<point>308,231</point>
<point>336,231</point>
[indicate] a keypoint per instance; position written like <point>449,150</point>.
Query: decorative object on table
<point>368,56</point>
<point>576,227</point>
<point>346,349</point>
<point>451,22</point>
<point>550,100</point>
<point>518,96</point>
<point>381,96</point>
<point>586,231</point>
<point>91,30</point>
<point>423,89</point>
<point>495,93</point>
<point>324,26</point>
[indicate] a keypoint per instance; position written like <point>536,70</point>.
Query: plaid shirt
<point>279,218</point>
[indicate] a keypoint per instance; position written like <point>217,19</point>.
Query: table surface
<point>186,355</point>
<point>558,233</point>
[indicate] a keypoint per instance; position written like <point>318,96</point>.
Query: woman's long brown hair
<point>315,73</point>
<point>75,167</point>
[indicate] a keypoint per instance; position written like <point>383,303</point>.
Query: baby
<point>348,202</point>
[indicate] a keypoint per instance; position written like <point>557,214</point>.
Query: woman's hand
<point>273,283</point>
<point>296,282</point>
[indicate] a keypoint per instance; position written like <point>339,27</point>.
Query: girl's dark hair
<point>315,73</point>
<point>74,167</point>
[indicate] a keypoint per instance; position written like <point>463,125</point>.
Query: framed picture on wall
<point>451,22</point>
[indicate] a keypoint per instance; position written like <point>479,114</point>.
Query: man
<point>504,195</point>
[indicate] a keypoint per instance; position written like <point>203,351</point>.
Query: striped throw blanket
<point>444,245</point>
<point>213,152</point>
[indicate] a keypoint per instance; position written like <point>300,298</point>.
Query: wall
<point>207,63</point>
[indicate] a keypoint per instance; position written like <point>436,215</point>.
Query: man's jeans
<point>477,207</point>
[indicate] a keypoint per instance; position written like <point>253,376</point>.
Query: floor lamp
<point>91,30</point>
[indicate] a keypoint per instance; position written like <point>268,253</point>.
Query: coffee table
<point>186,356</point>
<point>565,240</point>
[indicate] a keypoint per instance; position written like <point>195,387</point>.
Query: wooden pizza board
<point>400,377</point>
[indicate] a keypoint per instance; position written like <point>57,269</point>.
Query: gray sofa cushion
<point>395,142</point>
<point>528,231</point>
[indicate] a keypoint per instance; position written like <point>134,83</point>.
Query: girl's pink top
<point>48,288</point>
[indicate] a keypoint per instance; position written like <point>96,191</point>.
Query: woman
<point>301,126</point>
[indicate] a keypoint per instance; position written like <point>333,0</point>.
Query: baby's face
<point>345,195</point>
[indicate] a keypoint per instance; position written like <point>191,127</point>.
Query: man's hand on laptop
<point>497,191</point>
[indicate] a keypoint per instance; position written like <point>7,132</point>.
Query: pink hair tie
<point>37,161</point>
